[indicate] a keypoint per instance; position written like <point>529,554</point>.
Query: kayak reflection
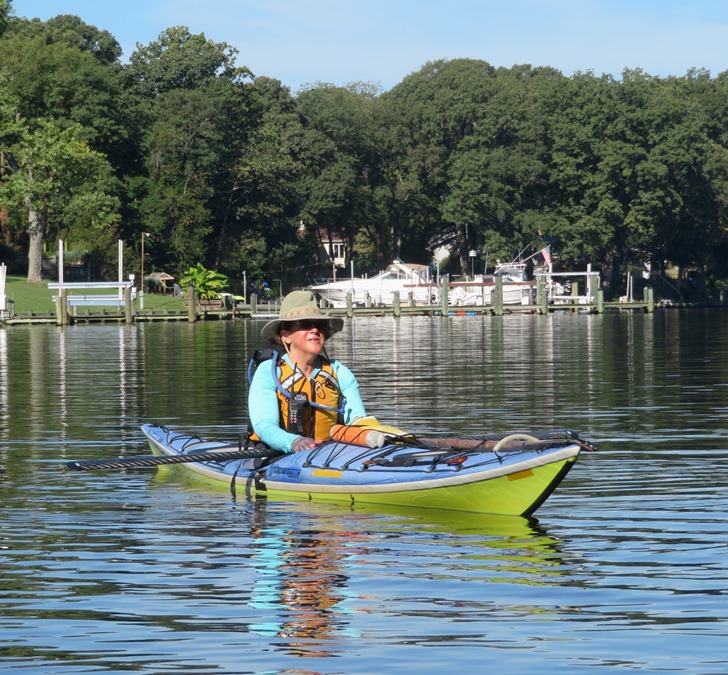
<point>305,576</point>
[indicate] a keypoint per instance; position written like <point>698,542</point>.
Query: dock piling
<point>128,307</point>
<point>191,304</point>
<point>498,296</point>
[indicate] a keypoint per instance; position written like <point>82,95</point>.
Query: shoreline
<point>247,312</point>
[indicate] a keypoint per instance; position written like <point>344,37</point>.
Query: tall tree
<point>67,70</point>
<point>45,164</point>
<point>64,78</point>
<point>72,31</point>
<point>179,59</point>
<point>6,9</point>
<point>198,113</point>
<point>711,95</point>
<point>262,239</point>
<point>340,160</point>
<point>628,156</point>
<point>432,111</point>
<point>498,175</point>
<point>584,211</point>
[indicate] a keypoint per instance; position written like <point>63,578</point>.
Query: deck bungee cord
<point>325,456</point>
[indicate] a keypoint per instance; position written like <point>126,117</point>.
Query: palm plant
<point>207,283</point>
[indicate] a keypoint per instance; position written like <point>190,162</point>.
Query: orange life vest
<point>322,410</point>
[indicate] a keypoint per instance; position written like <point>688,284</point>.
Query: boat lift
<point>556,291</point>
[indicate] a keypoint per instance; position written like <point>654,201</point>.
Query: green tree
<point>628,157</point>
<point>709,221</point>
<point>73,32</point>
<point>64,79</point>
<point>431,112</point>
<point>179,59</point>
<point>45,164</point>
<point>340,162</point>
<point>583,212</point>
<point>674,214</point>
<point>66,70</point>
<point>498,175</point>
<point>197,113</point>
<point>262,239</point>
<point>6,10</point>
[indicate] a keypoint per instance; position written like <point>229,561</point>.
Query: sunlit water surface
<point>140,570</point>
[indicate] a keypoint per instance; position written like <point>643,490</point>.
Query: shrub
<point>207,283</point>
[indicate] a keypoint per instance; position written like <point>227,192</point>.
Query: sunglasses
<point>308,324</point>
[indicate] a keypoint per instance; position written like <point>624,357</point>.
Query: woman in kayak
<point>300,394</point>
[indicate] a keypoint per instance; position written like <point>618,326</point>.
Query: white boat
<point>412,282</point>
<point>517,290</point>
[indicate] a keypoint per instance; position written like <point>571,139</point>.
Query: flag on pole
<point>546,253</point>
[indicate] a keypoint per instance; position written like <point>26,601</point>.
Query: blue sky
<point>339,41</point>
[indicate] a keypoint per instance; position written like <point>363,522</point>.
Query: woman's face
<point>305,337</point>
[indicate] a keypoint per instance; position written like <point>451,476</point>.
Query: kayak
<point>506,474</point>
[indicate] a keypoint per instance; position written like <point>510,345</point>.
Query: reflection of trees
<point>504,372</point>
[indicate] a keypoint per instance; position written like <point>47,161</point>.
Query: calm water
<point>116,571</point>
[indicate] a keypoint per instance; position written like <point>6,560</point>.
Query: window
<point>338,250</point>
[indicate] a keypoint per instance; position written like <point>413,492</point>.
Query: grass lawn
<point>37,298</point>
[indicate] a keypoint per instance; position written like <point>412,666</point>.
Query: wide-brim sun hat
<point>298,306</point>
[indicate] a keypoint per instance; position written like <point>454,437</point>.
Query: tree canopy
<point>5,11</point>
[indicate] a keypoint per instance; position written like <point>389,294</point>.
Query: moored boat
<point>410,281</point>
<point>497,474</point>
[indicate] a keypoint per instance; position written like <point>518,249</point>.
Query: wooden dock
<point>594,303</point>
<point>267,311</point>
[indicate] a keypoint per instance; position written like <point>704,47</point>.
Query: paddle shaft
<point>484,443</point>
<point>470,444</point>
<point>154,460</point>
<point>465,445</point>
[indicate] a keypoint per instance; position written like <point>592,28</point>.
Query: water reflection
<point>305,577</point>
<point>115,570</point>
<point>301,583</point>
<point>4,388</point>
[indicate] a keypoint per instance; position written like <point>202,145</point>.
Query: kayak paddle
<point>155,460</point>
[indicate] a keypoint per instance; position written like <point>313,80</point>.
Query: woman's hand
<point>304,443</point>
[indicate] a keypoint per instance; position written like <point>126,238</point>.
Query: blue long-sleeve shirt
<point>263,403</point>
